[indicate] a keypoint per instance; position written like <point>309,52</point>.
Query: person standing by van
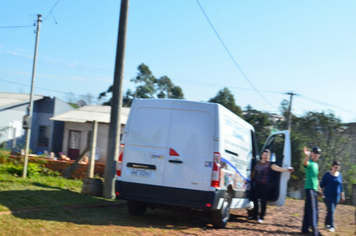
<point>331,183</point>
<point>311,190</point>
<point>262,176</point>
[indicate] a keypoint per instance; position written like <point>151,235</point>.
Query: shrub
<point>4,155</point>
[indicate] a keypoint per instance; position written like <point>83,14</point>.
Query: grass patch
<point>39,191</point>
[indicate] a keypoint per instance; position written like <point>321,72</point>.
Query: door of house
<point>74,144</point>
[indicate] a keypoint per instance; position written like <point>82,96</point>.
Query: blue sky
<point>307,47</point>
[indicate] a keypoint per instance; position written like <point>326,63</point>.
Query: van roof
<point>154,102</point>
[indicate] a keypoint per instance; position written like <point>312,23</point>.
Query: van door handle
<point>176,161</point>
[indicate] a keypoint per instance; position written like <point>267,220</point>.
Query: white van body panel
<point>235,149</point>
<point>169,151</point>
<point>191,136</point>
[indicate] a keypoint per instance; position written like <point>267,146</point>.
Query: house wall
<point>58,126</point>
<point>43,109</point>
<point>102,138</point>
<point>9,117</point>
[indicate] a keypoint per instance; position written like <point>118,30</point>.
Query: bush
<point>4,155</point>
<point>35,167</point>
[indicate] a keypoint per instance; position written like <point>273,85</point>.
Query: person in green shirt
<point>311,190</point>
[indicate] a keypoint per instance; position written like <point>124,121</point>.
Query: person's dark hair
<point>337,163</point>
<point>267,150</point>
<point>316,150</point>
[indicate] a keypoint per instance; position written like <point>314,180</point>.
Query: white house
<point>77,125</point>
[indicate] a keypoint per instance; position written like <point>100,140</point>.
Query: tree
<point>148,87</point>
<point>168,89</point>
<point>260,122</point>
<point>147,82</point>
<point>327,132</point>
<point>226,98</point>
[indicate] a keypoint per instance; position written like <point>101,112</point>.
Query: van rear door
<point>145,146</point>
<point>190,143</point>
<point>280,146</point>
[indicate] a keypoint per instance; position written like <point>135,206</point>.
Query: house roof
<point>13,99</point>
<point>91,112</point>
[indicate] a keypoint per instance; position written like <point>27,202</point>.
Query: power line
<point>233,59</point>
<point>19,26</point>
<point>327,104</point>
<point>50,12</point>
<point>26,26</point>
<point>57,91</point>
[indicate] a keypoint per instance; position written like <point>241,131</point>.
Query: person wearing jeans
<point>331,183</point>
<point>310,218</point>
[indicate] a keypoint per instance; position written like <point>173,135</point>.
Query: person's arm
<point>281,169</point>
<point>342,197</point>
<point>307,156</point>
<point>253,173</point>
<point>342,194</point>
<point>323,181</point>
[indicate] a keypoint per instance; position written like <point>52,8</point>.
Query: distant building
<point>78,123</point>
<point>46,135</point>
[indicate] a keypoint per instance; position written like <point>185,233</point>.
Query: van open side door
<point>280,146</point>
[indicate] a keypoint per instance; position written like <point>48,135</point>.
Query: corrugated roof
<point>91,112</point>
<point>13,99</point>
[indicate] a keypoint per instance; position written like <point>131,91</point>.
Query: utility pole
<point>116,105</point>
<point>289,121</point>
<point>30,108</point>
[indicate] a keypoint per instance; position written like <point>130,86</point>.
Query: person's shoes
<point>306,231</point>
<point>260,221</point>
<point>327,226</point>
<point>332,230</point>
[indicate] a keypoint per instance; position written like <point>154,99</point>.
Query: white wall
<point>102,138</point>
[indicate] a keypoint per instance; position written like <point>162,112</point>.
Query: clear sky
<point>307,47</point>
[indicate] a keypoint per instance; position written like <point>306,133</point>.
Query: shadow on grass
<point>56,204</point>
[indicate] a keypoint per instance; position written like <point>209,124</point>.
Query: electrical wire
<point>9,27</point>
<point>57,91</point>
<point>327,104</point>
<point>50,12</point>
<point>233,59</point>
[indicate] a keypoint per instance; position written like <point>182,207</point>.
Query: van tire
<point>221,216</point>
<point>136,208</point>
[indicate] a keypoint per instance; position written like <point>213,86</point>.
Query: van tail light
<point>173,152</point>
<point>119,162</point>
<point>215,179</point>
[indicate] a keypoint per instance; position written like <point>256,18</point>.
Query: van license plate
<point>141,173</point>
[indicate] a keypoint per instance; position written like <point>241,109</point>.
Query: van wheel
<point>136,208</point>
<point>220,217</point>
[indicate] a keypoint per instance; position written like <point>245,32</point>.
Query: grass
<point>41,191</point>
<point>43,205</point>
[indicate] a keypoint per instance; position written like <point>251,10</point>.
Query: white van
<point>194,155</point>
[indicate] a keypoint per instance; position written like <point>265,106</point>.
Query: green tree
<point>327,132</point>
<point>146,81</point>
<point>168,89</point>
<point>226,98</point>
<point>260,122</point>
<point>148,87</point>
